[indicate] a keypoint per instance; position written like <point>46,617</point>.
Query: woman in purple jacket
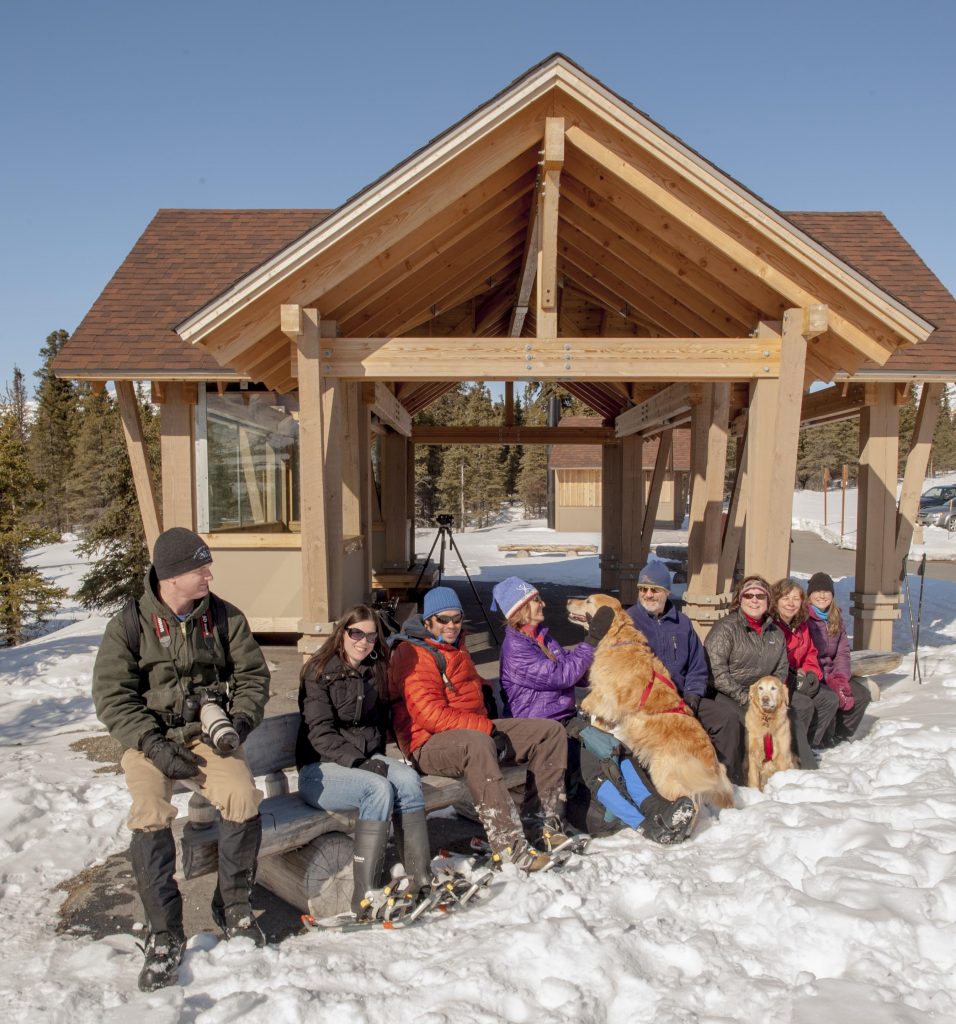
<point>538,677</point>
<point>833,651</point>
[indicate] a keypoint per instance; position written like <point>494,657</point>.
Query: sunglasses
<point>650,590</point>
<point>446,619</point>
<point>754,595</point>
<point>360,634</point>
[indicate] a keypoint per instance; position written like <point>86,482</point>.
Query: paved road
<point>812,554</point>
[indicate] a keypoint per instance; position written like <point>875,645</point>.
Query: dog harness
<point>767,747</point>
<point>645,696</point>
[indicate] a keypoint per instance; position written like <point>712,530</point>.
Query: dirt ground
<point>101,900</point>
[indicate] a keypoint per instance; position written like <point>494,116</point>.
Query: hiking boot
<point>551,837</point>
<point>523,855</point>
<point>164,953</point>
<point>238,922</point>
<point>668,821</point>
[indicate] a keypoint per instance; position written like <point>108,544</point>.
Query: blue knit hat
<point>510,594</point>
<point>655,574</point>
<point>441,599</point>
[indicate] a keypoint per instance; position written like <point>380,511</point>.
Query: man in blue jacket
<point>672,638</point>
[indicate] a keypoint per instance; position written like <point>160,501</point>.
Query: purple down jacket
<point>536,686</point>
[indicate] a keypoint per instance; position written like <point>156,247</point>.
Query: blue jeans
<point>330,787</point>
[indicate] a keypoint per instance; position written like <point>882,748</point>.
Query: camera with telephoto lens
<point>444,518</point>
<point>217,726</point>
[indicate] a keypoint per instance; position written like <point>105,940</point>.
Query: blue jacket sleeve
<point>523,663</point>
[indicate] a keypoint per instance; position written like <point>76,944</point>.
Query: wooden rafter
<point>583,359</point>
<point>917,460</point>
<point>549,194</point>
<point>511,435</point>
<point>668,408</point>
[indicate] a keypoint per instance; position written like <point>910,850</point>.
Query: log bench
<point>526,550</point>
<point>866,663</point>
<point>306,854</point>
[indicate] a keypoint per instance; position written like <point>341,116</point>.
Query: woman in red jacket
<point>814,706</point>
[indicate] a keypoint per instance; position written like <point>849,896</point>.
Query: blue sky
<point>112,110</point>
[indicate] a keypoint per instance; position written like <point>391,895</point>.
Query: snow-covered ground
<point>829,897</point>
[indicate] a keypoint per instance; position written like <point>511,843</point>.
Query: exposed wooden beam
<point>755,264</point>
<point>529,267</point>
<point>546,318</point>
<point>511,435</point>
<point>832,403</point>
<point>914,474</point>
<point>664,449</point>
<point>139,464</point>
<point>668,408</point>
<point>383,403</point>
<point>582,359</point>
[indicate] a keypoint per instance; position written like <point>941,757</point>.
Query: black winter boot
<point>368,856</point>
<point>232,901</point>
<point>667,821</point>
<point>153,856</point>
<point>411,838</point>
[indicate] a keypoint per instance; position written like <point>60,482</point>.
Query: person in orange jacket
<point>442,722</point>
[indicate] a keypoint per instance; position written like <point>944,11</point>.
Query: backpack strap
<point>438,655</point>
<point>130,616</point>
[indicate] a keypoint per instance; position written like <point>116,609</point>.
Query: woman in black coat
<point>340,752</point>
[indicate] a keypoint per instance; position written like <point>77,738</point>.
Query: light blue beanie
<point>441,599</point>
<point>511,594</point>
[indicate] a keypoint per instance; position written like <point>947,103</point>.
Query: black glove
<point>501,744</point>
<point>598,626</point>
<point>692,700</point>
<point>243,727</point>
<point>371,764</point>
<point>173,759</point>
<point>808,683</point>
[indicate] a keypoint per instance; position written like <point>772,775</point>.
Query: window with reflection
<point>252,453</point>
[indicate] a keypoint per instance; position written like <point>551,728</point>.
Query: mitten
<point>243,727</point>
<point>598,626</point>
<point>808,683</point>
<point>501,744</point>
<point>844,692</point>
<point>373,765</point>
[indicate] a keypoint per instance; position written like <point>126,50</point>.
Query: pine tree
<point>52,436</point>
<point>26,598</point>
<point>944,437</point>
<point>103,499</point>
<point>15,401</point>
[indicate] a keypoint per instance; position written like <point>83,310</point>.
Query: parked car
<point>942,494</point>
<point>938,515</point>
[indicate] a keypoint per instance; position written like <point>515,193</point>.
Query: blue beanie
<point>655,574</point>
<point>510,595</point>
<point>441,599</point>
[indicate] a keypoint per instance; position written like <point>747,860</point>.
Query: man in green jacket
<point>182,703</point>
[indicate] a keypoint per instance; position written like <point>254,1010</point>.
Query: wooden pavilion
<point>554,234</point>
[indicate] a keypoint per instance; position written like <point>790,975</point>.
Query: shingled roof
<point>185,258</point>
<point>182,260</point>
<point>872,245</point>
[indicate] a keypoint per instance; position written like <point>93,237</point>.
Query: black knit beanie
<point>178,551</point>
<point>820,581</point>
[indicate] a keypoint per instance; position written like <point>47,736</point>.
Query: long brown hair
<point>783,587</point>
<point>335,645</point>
<point>834,619</point>
<point>522,617</point>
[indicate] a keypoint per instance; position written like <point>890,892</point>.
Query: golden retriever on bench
<point>768,731</point>
<point>632,696</point>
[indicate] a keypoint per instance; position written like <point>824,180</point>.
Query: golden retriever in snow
<point>632,696</point>
<point>768,731</point>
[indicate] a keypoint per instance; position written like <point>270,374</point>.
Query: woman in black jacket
<point>340,752</point>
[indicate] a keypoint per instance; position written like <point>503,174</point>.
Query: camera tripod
<point>445,535</point>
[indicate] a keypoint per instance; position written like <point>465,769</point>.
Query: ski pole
<point>921,572</point>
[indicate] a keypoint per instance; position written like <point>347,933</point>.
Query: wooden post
<point>394,472</point>
<point>176,447</point>
<point>734,530</point>
<point>774,436</point>
<point>410,497</point>
<point>356,463</point>
<point>875,602</point>
<point>914,474</point>
<point>136,449</point>
<point>664,448</point>
<point>611,523</point>
<point>321,444</point>
<point>547,279</point>
<point>709,427</point>
<point>631,514</point>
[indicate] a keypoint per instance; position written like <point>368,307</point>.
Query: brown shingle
<point>182,260</point>
<point>869,242</point>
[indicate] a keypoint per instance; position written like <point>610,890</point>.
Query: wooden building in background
<point>557,233</point>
